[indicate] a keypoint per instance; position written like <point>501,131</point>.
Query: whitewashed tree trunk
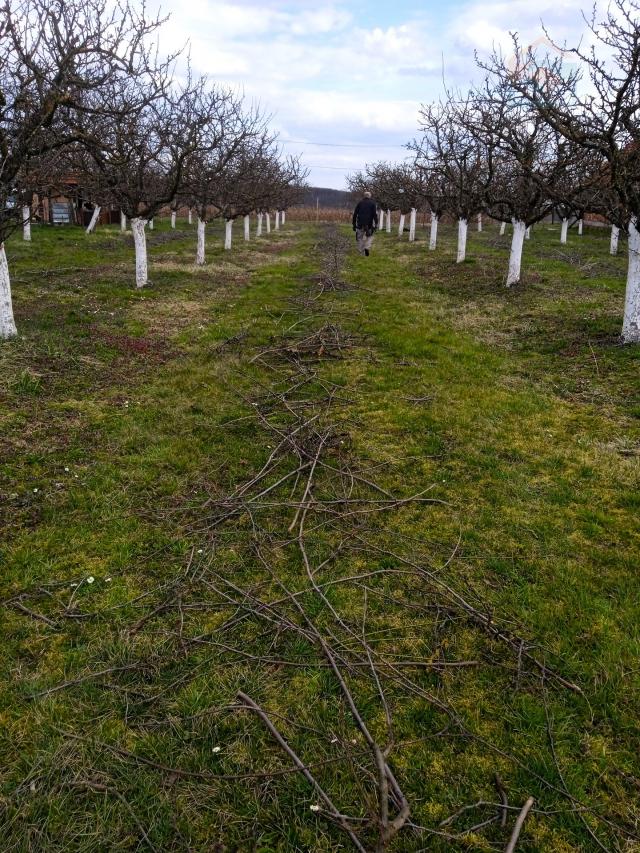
<point>7,323</point>
<point>94,218</point>
<point>259,228</point>
<point>228,233</point>
<point>563,230</point>
<point>479,222</point>
<point>140,243</point>
<point>412,225</point>
<point>527,233</point>
<point>515,258</point>
<point>268,218</point>
<point>503,228</point>
<point>388,221</point>
<point>615,236</point>
<point>123,221</point>
<point>173,219</point>
<point>277,221</point>
<point>631,322</point>
<point>580,227</point>
<point>189,217</point>
<point>284,216</point>
<point>247,227</point>
<point>200,248</point>
<point>26,223</point>
<point>401,225</point>
<point>151,224</point>
<point>433,234</point>
<point>462,240</point>
<point>381,220</point>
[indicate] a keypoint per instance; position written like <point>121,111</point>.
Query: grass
<point>124,415</point>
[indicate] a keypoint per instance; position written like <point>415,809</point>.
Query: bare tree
<point>532,169</point>
<point>290,183</point>
<point>433,186</point>
<point>458,160</point>
<point>52,52</point>
<point>230,133</point>
<point>135,154</point>
<point>603,120</point>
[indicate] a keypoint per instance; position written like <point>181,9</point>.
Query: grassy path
<point>125,421</point>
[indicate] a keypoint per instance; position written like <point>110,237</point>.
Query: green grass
<point>123,417</point>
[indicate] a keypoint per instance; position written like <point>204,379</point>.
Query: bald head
<point>367,194</point>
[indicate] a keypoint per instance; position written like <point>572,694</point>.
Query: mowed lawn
<point>126,416</point>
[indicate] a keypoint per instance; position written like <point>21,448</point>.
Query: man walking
<point>365,222</point>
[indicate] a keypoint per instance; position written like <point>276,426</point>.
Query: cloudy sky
<point>344,80</point>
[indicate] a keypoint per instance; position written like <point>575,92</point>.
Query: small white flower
<point>90,579</point>
<point>334,740</point>
<point>66,469</point>
<point>200,550</point>
<point>314,808</point>
<point>34,491</point>
<point>217,749</point>
<point>107,580</point>
<point>73,584</point>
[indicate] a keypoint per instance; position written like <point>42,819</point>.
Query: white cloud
<point>347,111</point>
<point>325,20</point>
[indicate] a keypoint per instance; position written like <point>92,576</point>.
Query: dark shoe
<point>366,251</point>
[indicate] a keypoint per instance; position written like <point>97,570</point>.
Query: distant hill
<point>326,197</point>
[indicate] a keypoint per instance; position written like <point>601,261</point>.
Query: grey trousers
<point>363,241</point>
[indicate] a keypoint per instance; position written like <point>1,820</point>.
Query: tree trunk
<point>247,227</point>
<point>259,228</point>
<point>94,218</point>
<point>503,228</point>
<point>189,217</point>
<point>200,249</point>
<point>123,222</point>
<point>462,240</point>
<point>527,233</point>
<point>284,216</point>
<point>631,322</point>
<point>228,233</point>
<point>388,221</point>
<point>26,223</point>
<point>140,243</point>
<point>151,224</point>
<point>563,230</point>
<point>7,323</point>
<point>479,222</point>
<point>412,225</point>
<point>433,234</point>
<point>515,258</point>
<point>580,227</point>
<point>401,225</point>
<point>615,235</point>
<point>268,216</point>
<point>277,221</point>
<point>173,219</point>
<point>381,220</point>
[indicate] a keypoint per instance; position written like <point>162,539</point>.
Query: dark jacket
<point>365,215</point>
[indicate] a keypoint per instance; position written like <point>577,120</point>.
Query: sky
<point>343,81</point>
